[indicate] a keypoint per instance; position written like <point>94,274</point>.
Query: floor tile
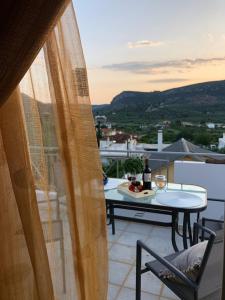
<point>149,282</point>
<point>114,237</point>
<point>166,292</point>
<point>146,257</point>
<point>130,238</point>
<point>113,291</point>
<point>165,234</point>
<point>121,225</point>
<point>118,272</point>
<point>129,294</point>
<point>109,245</point>
<point>161,231</point>
<point>145,229</point>
<point>161,246</point>
<point>123,253</point>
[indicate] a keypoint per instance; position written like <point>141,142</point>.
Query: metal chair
<point>213,224</point>
<point>209,280</point>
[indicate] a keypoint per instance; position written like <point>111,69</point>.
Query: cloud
<point>145,43</point>
<point>167,80</point>
<point>210,37</point>
<point>164,67</point>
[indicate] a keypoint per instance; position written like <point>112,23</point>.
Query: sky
<point>148,45</point>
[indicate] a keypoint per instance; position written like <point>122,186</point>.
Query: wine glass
<point>131,176</point>
<point>160,181</point>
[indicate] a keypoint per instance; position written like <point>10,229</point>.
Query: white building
<point>211,125</point>
<point>132,145</point>
<point>221,142</point>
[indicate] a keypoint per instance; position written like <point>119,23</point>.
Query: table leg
<point>111,217</point>
<point>108,215</point>
<point>185,223</point>
<point>189,230</point>
<point>173,231</point>
<point>198,216</point>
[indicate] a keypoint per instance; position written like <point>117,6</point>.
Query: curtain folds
<point>52,213</point>
<point>24,202</point>
<point>24,26</point>
<point>83,173</point>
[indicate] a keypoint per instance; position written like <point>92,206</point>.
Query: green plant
<point>133,165</point>
<point>119,168</point>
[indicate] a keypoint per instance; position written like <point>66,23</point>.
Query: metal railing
<point>52,155</point>
<point>121,155</point>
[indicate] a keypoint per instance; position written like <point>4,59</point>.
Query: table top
<point>196,196</point>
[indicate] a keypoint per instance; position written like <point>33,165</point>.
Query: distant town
<point>207,135</point>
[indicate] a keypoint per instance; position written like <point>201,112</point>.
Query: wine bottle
<point>146,177</point>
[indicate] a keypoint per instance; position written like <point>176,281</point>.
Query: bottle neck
<point>146,166</point>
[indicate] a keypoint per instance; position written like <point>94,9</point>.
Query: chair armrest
<point>166,263</point>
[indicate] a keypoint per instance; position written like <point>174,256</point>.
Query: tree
<point>202,139</point>
<point>98,133</point>
<point>186,133</point>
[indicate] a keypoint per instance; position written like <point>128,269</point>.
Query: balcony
<point>122,245</point>
<point>122,259</point>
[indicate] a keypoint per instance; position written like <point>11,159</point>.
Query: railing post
<point>117,169</point>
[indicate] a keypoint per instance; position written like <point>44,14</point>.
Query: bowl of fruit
<point>134,189</point>
<point>135,186</point>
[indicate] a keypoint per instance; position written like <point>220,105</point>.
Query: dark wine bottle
<point>146,177</point>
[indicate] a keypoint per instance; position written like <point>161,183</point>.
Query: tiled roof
<point>160,159</point>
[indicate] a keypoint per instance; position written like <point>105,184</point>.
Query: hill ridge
<point>203,101</point>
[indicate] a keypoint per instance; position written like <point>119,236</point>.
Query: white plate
<point>178,199</point>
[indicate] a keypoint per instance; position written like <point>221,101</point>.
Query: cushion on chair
<point>188,262</point>
<point>178,288</point>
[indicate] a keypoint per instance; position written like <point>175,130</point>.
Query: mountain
<point>196,103</point>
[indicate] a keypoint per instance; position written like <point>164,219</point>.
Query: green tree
<point>186,133</point>
<point>202,139</point>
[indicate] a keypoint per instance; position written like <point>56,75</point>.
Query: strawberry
<point>131,188</point>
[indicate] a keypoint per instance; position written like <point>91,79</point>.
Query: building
<point>221,142</point>
<point>211,125</point>
<point>163,163</point>
<point>123,142</point>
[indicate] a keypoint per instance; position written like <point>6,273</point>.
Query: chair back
<point>211,271</point>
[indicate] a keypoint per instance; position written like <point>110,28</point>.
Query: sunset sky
<point>146,45</point>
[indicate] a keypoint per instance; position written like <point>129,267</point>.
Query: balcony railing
<point>51,156</point>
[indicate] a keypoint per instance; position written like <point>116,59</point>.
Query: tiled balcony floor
<point>122,256</point>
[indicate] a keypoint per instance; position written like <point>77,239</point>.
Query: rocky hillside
<point>198,102</point>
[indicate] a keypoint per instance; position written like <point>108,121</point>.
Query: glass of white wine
<point>160,181</point>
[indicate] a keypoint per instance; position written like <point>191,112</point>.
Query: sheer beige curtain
<point>24,26</point>
<point>83,173</point>
<point>53,211</point>
<point>24,264</point>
